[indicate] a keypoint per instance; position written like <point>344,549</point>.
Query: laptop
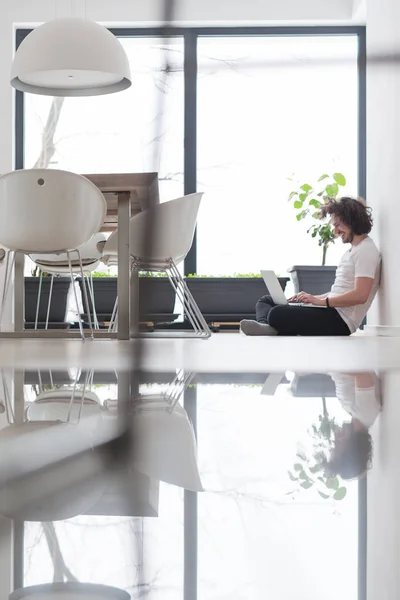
<point>276,292</point>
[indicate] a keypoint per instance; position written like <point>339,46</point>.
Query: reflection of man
<point>360,396</point>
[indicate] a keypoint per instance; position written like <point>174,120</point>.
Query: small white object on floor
<point>250,327</point>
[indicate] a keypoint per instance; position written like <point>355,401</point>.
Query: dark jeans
<point>300,320</point>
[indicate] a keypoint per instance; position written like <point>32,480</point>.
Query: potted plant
<point>228,298</point>
<point>155,291</point>
<point>307,201</point>
<point>59,299</point>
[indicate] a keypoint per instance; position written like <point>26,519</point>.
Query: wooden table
<point>126,194</point>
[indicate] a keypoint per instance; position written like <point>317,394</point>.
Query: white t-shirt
<point>363,404</point>
<point>362,260</point>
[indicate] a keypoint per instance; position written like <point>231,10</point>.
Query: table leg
<point>124,271</point>
<point>19,292</point>
<point>134,303</point>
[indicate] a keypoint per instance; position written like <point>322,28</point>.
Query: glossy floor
<point>270,501</point>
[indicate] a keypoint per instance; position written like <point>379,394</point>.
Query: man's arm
<point>359,295</point>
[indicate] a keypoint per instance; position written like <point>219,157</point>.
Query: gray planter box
<point>58,306</point>
<point>156,292</point>
<point>312,279</point>
<point>228,298</point>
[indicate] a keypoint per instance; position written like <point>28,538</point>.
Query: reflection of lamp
<point>70,57</point>
<point>69,591</point>
<point>46,487</point>
<point>52,470</point>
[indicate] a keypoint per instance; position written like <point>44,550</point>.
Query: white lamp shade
<point>69,591</point>
<point>70,57</point>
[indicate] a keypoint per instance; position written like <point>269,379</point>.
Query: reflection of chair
<point>165,445</point>
<point>171,225</point>
<point>48,211</point>
<point>57,264</point>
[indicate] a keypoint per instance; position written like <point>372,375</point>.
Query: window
<point>261,104</point>
<point>268,108</point>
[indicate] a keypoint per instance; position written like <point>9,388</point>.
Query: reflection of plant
<point>308,471</point>
<point>307,474</point>
<point>307,201</point>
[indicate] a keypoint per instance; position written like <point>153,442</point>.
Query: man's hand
<point>308,299</point>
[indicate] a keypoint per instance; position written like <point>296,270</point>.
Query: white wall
<point>383,150</point>
<point>383,573</point>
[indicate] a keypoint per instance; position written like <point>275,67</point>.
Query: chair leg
<point>85,295</point>
<point>95,319</point>
<point>7,281</point>
<point>189,304</point>
<point>76,296</point>
<point>49,302</point>
<point>89,282</point>
<point>114,316</point>
<point>38,298</point>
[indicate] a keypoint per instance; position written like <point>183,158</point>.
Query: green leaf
<point>332,483</point>
<point>325,176</point>
<point>332,190</point>
<point>303,197</point>
<point>339,178</point>
<point>315,203</point>
<point>324,496</point>
<point>297,204</point>
<point>306,485</point>
<point>340,493</point>
<point>315,469</point>
<point>306,187</point>
<point>303,475</point>
<point>298,467</point>
<point>291,476</point>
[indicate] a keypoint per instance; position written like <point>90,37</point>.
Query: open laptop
<point>276,292</point>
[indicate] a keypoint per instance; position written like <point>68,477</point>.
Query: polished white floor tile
<point>221,353</point>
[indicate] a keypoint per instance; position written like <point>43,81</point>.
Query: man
<point>355,286</point>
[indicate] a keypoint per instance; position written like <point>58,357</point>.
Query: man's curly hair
<point>352,212</point>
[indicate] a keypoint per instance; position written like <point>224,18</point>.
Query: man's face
<point>342,231</point>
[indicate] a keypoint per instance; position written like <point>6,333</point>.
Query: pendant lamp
<point>70,57</point>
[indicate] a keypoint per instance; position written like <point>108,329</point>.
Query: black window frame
<point>190,36</point>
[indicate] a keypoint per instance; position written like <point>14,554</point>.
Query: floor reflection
<point>192,485</point>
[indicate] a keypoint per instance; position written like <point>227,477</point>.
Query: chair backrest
<point>89,253</point>
<point>47,210</point>
<point>172,225</point>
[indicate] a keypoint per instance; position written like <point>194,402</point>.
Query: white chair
<point>57,264</point>
<point>46,211</point>
<point>160,239</point>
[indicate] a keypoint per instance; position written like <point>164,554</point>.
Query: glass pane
<point>138,130</point>
<point>140,554</point>
<point>261,534</point>
<point>270,108</point>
